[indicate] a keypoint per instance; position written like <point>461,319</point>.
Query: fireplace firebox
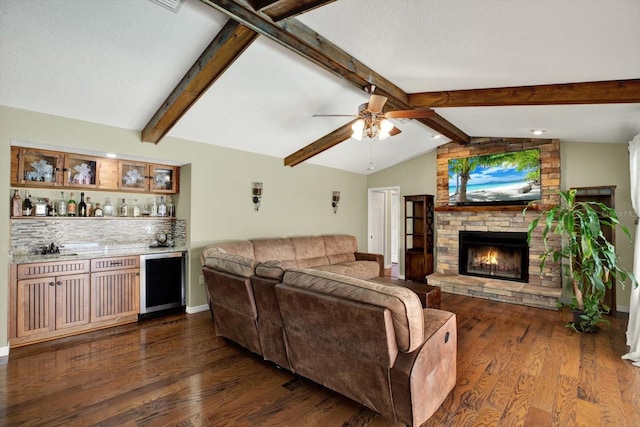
<point>498,255</point>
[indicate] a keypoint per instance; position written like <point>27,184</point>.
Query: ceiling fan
<point>373,123</point>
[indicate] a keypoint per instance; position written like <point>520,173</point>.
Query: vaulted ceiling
<point>250,74</point>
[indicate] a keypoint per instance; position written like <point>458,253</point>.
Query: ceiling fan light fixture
<point>358,128</point>
<point>385,126</point>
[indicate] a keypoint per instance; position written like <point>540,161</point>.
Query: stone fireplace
<point>496,255</point>
<point>532,288</point>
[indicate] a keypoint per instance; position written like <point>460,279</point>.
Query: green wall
<point>215,189</point>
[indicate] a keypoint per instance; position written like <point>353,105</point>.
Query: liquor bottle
<point>124,209</point>
<point>107,209</point>
<point>62,205</point>
<point>162,207</point>
<point>50,208</point>
<point>89,207</point>
<point>82,206</point>
<point>16,204</point>
<point>72,206</point>
<point>97,212</point>
<point>154,208</point>
<point>27,206</point>
<point>171,208</point>
<point>135,210</point>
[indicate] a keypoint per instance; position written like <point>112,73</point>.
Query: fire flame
<point>490,258</point>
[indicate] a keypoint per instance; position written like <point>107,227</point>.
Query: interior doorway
<point>383,226</point>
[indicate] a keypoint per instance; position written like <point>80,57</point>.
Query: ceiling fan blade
<point>376,103</point>
<point>318,146</point>
<point>394,131</point>
<point>409,114</point>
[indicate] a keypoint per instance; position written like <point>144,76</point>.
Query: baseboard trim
<point>622,308</point>
<point>197,309</point>
<point>4,351</point>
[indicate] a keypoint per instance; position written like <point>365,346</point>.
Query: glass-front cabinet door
<point>163,179</point>
<point>39,167</point>
<point>133,176</point>
<point>81,171</point>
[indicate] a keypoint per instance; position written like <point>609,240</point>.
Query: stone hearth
<point>542,290</point>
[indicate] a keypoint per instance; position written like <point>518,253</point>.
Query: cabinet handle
<point>59,283</point>
<point>113,263</point>
<point>52,283</point>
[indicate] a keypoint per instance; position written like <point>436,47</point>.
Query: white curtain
<point>633,329</point>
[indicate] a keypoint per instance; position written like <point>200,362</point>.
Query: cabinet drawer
<point>115,263</point>
<point>54,268</point>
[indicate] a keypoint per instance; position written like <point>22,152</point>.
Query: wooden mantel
<point>485,208</point>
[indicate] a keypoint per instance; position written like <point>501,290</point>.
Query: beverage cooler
<point>162,283</point>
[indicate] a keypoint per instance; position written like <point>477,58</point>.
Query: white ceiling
<point>114,62</point>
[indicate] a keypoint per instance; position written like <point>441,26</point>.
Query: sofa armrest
<point>229,263</point>
<point>274,269</point>
<point>362,256</point>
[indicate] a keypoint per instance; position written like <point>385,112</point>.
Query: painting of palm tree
<point>512,177</point>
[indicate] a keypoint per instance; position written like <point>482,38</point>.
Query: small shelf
<point>86,218</point>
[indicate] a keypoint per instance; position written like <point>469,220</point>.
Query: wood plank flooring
<point>517,366</point>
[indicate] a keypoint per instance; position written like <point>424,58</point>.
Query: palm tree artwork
<point>500,177</point>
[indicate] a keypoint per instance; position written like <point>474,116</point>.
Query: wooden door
<point>133,176</point>
<point>81,171</point>
<point>40,167</point>
<point>163,179</point>
<point>72,300</point>
<point>114,294</point>
<point>35,306</point>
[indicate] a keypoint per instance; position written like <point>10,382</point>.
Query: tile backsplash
<point>29,235</point>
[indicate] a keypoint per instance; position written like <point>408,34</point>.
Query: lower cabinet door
<point>72,301</point>
<point>52,303</point>
<point>115,293</point>
<point>35,299</point>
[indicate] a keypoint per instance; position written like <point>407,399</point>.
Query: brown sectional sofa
<point>309,320</point>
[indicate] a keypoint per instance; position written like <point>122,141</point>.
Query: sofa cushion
<point>340,248</point>
<point>405,306</point>
<point>363,269</point>
<point>309,251</point>
<point>336,268</point>
<point>273,249</point>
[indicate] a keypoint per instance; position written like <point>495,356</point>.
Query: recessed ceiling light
<point>111,155</point>
<point>538,131</point>
<point>436,136</point>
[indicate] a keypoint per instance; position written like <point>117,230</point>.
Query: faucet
<point>51,249</point>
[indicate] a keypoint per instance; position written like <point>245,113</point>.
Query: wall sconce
<point>256,194</point>
<point>335,201</point>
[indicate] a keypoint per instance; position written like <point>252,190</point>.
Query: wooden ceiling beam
<point>603,92</point>
<point>302,40</point>
<point>281,9</point>
<point>330,140</point>
<point>225,48</point>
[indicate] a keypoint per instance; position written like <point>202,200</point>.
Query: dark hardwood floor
<point>517,366</point>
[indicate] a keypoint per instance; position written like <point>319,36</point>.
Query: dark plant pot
<point>589,329</point>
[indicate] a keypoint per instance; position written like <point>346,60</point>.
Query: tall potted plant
<point>588,258</point>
